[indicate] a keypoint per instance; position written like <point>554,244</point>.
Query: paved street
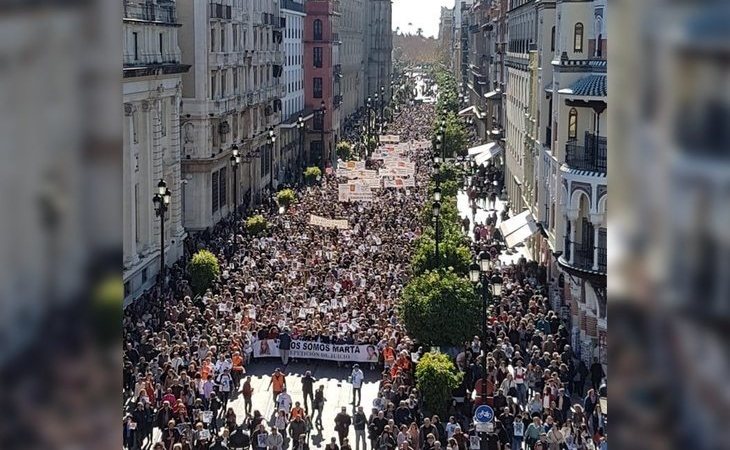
<point>462,203</point>
<point>338,392</point>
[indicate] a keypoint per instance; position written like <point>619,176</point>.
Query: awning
<point>518,228</point>
<point>466,110</point>
<point>494,94</point>
<point>479,149</point>
<point>485,153</point>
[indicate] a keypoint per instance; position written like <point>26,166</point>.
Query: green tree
<point>454,135</point>
<point>311,174</point>
<point>371,145</point>
<point>344,150</point>
<point>286,197</point>
<point>440,308</point>
<point>452,254</point>
<point>436,378</point>
<point>256,225</point>
<point>203,269</point>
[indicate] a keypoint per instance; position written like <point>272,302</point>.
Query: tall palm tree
<point>419,32</point>
<point>397,30</point>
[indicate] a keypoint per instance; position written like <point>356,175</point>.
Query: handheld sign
<point>484,414</point>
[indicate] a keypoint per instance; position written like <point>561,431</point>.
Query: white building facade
<point>573,185</point>
<point>293,102</point>
<point>152,95</point>
<point>231,99</point>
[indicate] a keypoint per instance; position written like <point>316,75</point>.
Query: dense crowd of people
<point>186,356</point>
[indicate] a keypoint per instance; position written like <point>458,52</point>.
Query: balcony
<point>592,156</point>
<point>150,12</point>
<point>223,106</point>
<point>292,6</point>
<point>337,70</point>
<point>217,59</point>
<point>337,100</point>
<point>582,260</point>
<point>220,11</point>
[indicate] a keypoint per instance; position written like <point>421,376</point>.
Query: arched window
<point>317,30</point>
<point>578,38</point>
<point>573,124</point>
<point>552,40</point>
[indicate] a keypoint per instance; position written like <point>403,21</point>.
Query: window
<point>235,81</point>
<point>317,57</point>
<point>223,39</point>
<point>317,87</point>
<point>317,30</point>
<point>578,38</point>
<point>318,122</point>
<point>222,178</point>
<point>235,38</point>
<point>212,39</point>
<point>214,192</point>
<point>223,83</point>
<point>573,124</point>
<point>135,36</point>
<point>552,40</point>
<point>161,52</point>
<point>212,85</point>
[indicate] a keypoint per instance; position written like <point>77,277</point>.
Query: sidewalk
<point>462,204</point>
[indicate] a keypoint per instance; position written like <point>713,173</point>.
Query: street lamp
<point>300,127</point>
<point>382,101</point>
<point>271,140</point>
<point>437,194</point>
<point>161,201</point>
<point>478,271</point>
<point>235,162</point>
<point>369,107</point>
<point>436,211</point>
<point>322,112</point>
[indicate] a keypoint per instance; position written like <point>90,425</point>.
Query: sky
<point>420,14</point>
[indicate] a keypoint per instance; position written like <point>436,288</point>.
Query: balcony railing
<point>150,12</point>
<point>583,257</point>
<point>292,5</point>
<point>337,100</point>
<point>220,11</point>
<point>592,156</point>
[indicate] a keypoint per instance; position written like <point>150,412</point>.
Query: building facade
<point>380,47</point>
<point>353,55</point>
<point>571,189</point>
<point>445,36</point>
<point>322,87</point>
<point>152,94</point>
<point>231,97</point>
<point>291,142</point>
<point>522,40</point>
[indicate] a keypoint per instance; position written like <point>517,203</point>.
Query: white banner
<point>355,191</point>
<point>399,182</point>
<point>320,221</point>
<point>389,139</point>
<point>317,350</point>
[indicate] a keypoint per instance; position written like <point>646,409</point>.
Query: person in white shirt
<point>284,402</point>
<point>520,375</point>
<point>356,378</point>
<point>224,382</point>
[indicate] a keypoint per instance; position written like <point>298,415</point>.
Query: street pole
<point>485,300</point>
<point>161,200</point>
<point>235,162</point>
